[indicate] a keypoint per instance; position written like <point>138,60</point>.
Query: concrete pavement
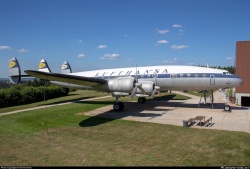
<point>173,112</point>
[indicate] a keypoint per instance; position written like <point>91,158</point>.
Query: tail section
<point>66,68</point>
<point>14,71</point>
<point>43,66</point>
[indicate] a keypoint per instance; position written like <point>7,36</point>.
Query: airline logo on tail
<point>64,66</point>
<point>42,65</point>
<point>12,64</point>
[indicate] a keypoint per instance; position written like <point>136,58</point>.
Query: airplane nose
<point>238,81</point>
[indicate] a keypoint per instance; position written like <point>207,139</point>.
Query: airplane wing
<point>80,80</point>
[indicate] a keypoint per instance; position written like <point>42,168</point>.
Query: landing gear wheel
<point>141,100</point>
<point>118,106</point>
<point>227,108</point>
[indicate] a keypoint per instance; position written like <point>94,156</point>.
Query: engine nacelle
<point>148,87</point>
<point>121,84</point>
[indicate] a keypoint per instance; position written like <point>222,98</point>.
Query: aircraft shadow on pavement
<point>149,110</point>
<point>132,109</point>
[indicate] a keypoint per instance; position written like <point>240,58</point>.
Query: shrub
<point>18,95</point>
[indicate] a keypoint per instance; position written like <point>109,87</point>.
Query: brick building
<point>242,69</point>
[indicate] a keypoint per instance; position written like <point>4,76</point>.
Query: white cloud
<point>167,61</point>
<point>162,31</point>
<point>162,41</point>
<point>80,41</point>
<point>5,47</point>
<point>81,55</point>
<point>102,46</point>
<point>22,50</point>
<point>230,58</point>
<point>177,26</point>
<point>179,46</point>
<point>170,61</point>
<point>110,56</point>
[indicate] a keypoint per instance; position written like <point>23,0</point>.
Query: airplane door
<point>155,75</point>
<point>212,80</point>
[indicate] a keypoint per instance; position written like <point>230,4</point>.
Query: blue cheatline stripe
<point>174,76</point>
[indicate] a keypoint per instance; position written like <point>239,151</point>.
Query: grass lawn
<point>59,136</point>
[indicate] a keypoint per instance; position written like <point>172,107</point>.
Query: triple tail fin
<point>14,71</point>
<point>66,68</point>
<point>43,66</point>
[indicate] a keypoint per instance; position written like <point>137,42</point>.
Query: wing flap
<point>67,78</point>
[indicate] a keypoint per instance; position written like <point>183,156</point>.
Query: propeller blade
<point>141,89</point>
<point>133,92</point>
<point>154,91</point>
<point>159,92</point>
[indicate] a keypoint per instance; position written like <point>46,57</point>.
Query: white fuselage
<point>170,77</point>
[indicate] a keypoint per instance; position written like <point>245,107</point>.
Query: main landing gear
<point>119,106</point>
<point>142,100</point>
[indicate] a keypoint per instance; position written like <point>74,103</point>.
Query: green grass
<point>59,136</point>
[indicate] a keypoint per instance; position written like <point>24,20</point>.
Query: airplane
<point>142,81</point>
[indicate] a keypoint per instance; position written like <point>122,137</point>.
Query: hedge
<point>17,95</point>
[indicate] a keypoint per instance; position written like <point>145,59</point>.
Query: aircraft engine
<point>122,84</point>
<point>148,87</point>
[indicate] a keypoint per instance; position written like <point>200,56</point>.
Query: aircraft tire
<point>141,100</point>
<point>118,106</point>
<point>227,108</point>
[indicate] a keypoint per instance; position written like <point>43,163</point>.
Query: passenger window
<point>173,76</point>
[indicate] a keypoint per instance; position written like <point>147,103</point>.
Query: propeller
<point>156,88</point>
<point>137,85</point>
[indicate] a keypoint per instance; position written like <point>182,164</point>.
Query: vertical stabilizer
<point>66,68</point>
<point>14,71</point>
<point>43,66</point>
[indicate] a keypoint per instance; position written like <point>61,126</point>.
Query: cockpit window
<point>226,73</point>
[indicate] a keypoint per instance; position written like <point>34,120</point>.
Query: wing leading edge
<point>80,80</point>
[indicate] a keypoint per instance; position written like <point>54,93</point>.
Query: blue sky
<point>99,34</point>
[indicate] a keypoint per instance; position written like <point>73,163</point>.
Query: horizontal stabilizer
<point>80,80</point>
